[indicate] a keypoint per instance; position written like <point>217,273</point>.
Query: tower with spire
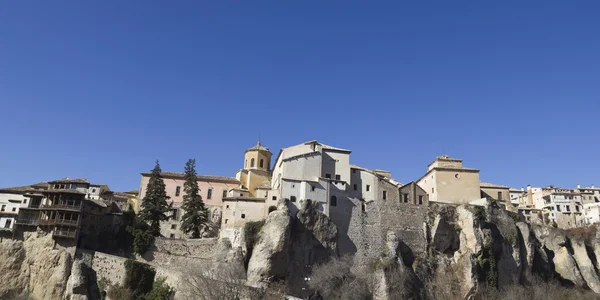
<point>256,174</point>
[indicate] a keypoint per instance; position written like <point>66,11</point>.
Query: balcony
<point>65,233</point>
<point>27,221</point>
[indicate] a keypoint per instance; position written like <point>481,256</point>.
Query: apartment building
<point>448,181</point>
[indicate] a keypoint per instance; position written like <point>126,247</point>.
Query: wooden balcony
<point>65,233</point>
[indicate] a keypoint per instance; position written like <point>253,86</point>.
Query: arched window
<point>261,163</point>
<point>272,208</point>
<point>252,163</point>
<point>333,201</point>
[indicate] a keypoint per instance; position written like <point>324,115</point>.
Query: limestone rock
<point>77,283</point>
<point>270,254</point>
<point>36,264</point>
<point>564,264</point>
<point>586,267</point>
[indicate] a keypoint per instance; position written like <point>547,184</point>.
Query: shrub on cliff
<point>139,278</point>
<point>160,291</point>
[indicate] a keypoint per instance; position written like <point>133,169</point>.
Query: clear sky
<point>101,89</point>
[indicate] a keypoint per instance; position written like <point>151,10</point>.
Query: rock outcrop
<point>36,264</point>
<point>270,254</point>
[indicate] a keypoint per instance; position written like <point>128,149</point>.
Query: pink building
<point>212,188</point>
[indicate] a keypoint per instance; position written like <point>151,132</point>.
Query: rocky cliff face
<point>35,264</point>
<point>491,247</point>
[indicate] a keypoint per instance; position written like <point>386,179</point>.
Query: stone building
<point>213,189</point>
<point>563,206</point>
<point>448,181</point>
<point>590,196</point>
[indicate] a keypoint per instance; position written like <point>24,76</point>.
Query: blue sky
<point>100,89</point>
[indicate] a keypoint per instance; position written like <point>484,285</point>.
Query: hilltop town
<point>361,208</point>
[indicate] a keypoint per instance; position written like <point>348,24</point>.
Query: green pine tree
<point>195,216</point>
<point>154,204</point>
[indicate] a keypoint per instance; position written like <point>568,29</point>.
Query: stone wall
<point>108,267</point>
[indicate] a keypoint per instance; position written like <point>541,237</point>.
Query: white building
<point>564,206</point>
<point>516,195</point>
<point>312,171</point>
<point>12,200</point>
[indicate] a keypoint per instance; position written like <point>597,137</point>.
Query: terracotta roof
<point>244,199</point>
<point>207,178</point>
<point>258,147</point>
<point>487,184</point>
<point>69,180</point>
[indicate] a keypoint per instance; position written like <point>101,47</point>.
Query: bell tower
<point>257,157</point>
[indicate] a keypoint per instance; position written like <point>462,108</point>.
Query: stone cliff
<point>35,264</point>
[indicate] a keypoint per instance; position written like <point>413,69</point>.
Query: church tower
<point>258,157</point>
<point>255,177</point>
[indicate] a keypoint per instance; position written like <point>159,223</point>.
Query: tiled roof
<point>208,178</point>
<point>487,184</point>
<point>258,147</point>
<point>69,180</point>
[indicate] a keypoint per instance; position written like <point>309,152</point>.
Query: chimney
<point>579,186</point>
<point>522,189</point>
<point>528,187</point>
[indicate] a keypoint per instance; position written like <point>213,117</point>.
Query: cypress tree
<point>195,216</point>
<point>154,204</point>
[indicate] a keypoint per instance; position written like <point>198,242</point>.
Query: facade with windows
<point>563,206</point>
<point>448,181</point>
<point>11,201</point>
<point>213,189</point>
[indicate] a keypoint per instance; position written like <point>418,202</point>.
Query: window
<point>227,206</point>
<point>558,208</point>
<point>363,207</point>
<point>172,236</point>
<point>226,220</point>
<point>568,207</point>
<point>14,209</point>
<point>405,197</point>
<point>577,208</point>
<point>355,186</point>
<point>246,163</point>
<point>209,194</point>
<point>93,190</point>
<point>24,201</point>
<point>177,191</point>
<point>353,171</point>
<point>338,177</point>
<point>312,188</point>
<point>224,193</point>
<point>293,185</point>
<point>252,163</point>
<point>499,195</point>
<point>420,200</point>
<point>333,201</point>
<point>174,214</point>
<point>384,195</point>
<point>274,198</point>
<point>368,187</point>
<point>432,190</point>
<point>241,195</point>
<point>328,176</point>
<point>3,208</point>
<point>243,216</point>
<point>457,176</point>
<point>7,224</point>
<point>261,163</point>
<point>173,226</point>
<point>293,198</point>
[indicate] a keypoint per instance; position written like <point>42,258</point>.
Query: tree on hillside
<point>154,204</point>
<point>195,216</point>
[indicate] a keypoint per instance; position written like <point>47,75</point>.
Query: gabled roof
<point>207,178</point>
<point>491,185</point>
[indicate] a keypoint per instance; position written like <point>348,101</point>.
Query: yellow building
<point>256,172</point>
<point>448,181</point>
